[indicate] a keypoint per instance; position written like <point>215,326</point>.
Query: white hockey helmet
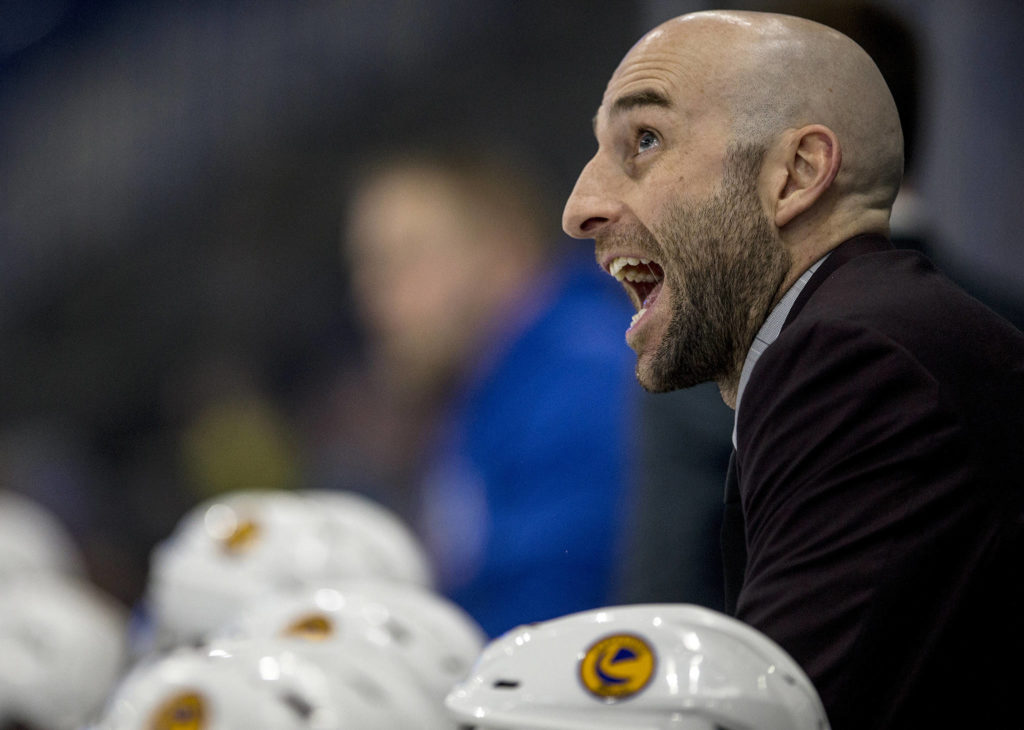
<point>235,548</point>
<point>385,545</point>
<point>435,640</point>
<point>188,690</point>
<point>363,688</point>
<point>340,646</point>
<point>63,645</point>
<point>32,539</point>
<point>649,667</point>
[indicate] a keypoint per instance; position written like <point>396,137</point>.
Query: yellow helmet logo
<point>243,537</point>
<point>314,627</point>
<point>185,711</point>
<point>617,667</point>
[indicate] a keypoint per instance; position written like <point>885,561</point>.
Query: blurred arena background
<point>175,317</point>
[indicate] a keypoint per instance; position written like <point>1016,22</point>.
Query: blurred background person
<point>169,230</point>
<point>506,342</point>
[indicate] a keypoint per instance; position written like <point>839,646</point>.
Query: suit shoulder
<point>902,296</point>
<point>885,284</point>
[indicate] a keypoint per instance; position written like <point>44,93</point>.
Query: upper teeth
<point>631,274</point>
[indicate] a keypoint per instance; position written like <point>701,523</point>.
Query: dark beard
<point>727,269</point>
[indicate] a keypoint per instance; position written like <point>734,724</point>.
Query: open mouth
<point>641,278</point>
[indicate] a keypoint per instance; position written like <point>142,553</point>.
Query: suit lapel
<point>734,540</point>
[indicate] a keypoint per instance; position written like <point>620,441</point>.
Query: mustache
<point>635,238</point>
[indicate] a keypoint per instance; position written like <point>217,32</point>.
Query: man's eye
<point>645,140</point>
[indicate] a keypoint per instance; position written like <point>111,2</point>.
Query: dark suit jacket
<point>876,528</point>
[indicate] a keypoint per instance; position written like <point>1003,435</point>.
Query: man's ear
<point>810,161</point>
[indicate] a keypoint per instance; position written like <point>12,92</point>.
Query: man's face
<point>721,264</point>
<point>418,270</point>
<point>675,213</point>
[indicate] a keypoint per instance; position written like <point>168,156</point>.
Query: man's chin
<point>657,373</point>
<point>655,379</point>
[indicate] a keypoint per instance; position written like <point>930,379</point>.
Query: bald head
<point>774,72</point>
<point>735,149</point>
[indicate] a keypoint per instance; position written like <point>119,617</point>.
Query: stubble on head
<point>728,267</point>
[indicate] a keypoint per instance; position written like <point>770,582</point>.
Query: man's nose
<point>592,205</point>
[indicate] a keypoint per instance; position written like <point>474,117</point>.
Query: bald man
<point>741,191</point>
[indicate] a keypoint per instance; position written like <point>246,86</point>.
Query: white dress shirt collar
<point>769,332</point>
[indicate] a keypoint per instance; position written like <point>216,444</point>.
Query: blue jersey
<point>523,502</point>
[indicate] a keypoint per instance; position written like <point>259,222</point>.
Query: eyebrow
<point>645,97</point>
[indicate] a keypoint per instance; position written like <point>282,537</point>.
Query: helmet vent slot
<point>298,705</point>
<point>506,684</point>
